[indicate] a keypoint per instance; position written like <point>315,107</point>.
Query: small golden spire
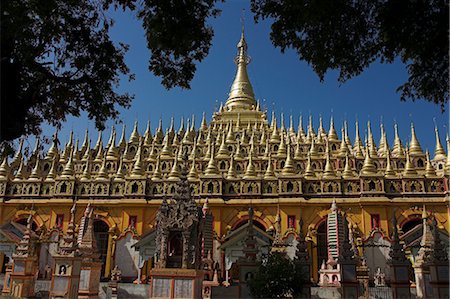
<point>409,167</point>
<point>102,173</point>
<point>332,134</point>
<point>313,150</point>
<point>343,150</point>
<point>99,143</point>
<point>87,152</point>
<point>166,151</point>
<point>20,175</point>
<point>85,142</point>
<point>241,96</point>
<point>288,168</point>
<point>447,162</point>
<point>389,171</point>
<point>267,150</point>
<point>193,174</point>
<point>358,145</point>
<point>368,166</point>
<point>347,138</point>
<point>87,170</point>
<point>309,171</point>
<point>328,172</point>
<point>172,128</point>
<point>250,170</point>
<point>137,167</point>
<point>123,142</point>
<point>100,154</point>
<point>112,153</point>
<point>231,174</point>
<point>281,153</point>
<point>211,169</point>
<point>157,176</point>
<point>321,130</point>
<point>291,125</point>
<point>120,171</point>
<point>4,168</point>
<point>204,124</point>
<point>263,139</point>
<point>68,169</point>
<point>52,172</point>
<point>223,152</point>
<point>110,140</point>
<point>134,138</point>
<point>159,132</point>
<point>298,151</point>
<point>429,170</point>
<point>175,141</point>
<point>148,137</point>
<point>36,172</point>
<point>439,152</point>
<point>398,150</point>
<point>269,174</point>
<point>52,152</point>
<point>382,139</point>
<point>311,134</point>
<point>301,133</point>
<point>414,145</point>
<point>283,129</point>
<point>174,173</point>
<point>347,173</point>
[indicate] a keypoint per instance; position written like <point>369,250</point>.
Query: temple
<point>217,196</point>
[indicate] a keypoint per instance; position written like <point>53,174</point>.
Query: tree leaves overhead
<point>57,59</point>
<point>177,36</point>
<point>348,35</point>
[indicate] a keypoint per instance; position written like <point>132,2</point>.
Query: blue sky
<point>281,81</point>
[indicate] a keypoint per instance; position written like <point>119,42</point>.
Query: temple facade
<point>242,158</point>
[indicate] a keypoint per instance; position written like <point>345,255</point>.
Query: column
<point>109,254</point>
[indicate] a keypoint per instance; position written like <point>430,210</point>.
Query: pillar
<point>109,254</point>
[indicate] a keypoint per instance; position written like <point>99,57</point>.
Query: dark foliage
<point>277,277</point>
<point>348,35</point>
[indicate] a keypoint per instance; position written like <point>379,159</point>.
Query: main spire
<point>241,96</point>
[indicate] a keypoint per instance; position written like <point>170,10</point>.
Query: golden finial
<point>313,150</point>
<point>111,136</point>
<point>176,141</point>
<point>347,138</point>
<point>230,135</point>
<point>112,153</point>
<point>368,166</point>
<point>122,141</point>
<point>68,169</point>
<point>134,138</point>
<point>99,144</point>
<point>371,142</point>
<point>347,173</point>
<point>87,170</point>
<point>85,142</point>
<point>382,139</point>
<point>343,150</point>
<point>309,171</point>
<point>223,150</point>
<point>389,171</point>
<point>409,167</point>
<point>301,133</point>
<point>439,152</point>
<point>52,152</point>
<point>137,167</point>
<point>20,172</point>
<point>241,96</point>
<point>193,153</point>
<point>100,154</point>
<point>321,130</point>
<point>102,173</point>
<point>35,173</point>
<point>291,125</point>
<point>429,169</point>
<point>311,134</point>
<point>87,152</point>
<point>174,173</point>
<point>250,170</point>
<point>148,137</point>
<point>231,174</point>
<point>282,127</point>
<point>267,149</point>
<point>4,168</point>
<point>157,176</point>
<point>211,169</point>
<point>298,151</point>
<point>288,168</point>
<point>281,153</point>
<point>414,145</point>
<point>263,138</point>
<point>204,125</point>
<point>332,134</point>
<point>166,151</point>
<point>193,174</point>
<point>52,172</point>
<point>328,172</point>
<point>269,174</point>
<point>358,141</point>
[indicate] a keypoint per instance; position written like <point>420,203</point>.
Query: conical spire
<point>84,146</point>
<point>371,142</point>
<point>134,138</point>
<point>18,155</point>
<point>138,167</point>
<point>389,170</point>
<point>111,136</point>
<point>211,169</point>
<point>332,135</point>
<point>99,144</point>
<point>87,151</point>
<point>20,175</point>
<point>123,141</point>
<point>52,172</point>
<point>53,151</point>
<point>241,96</point>
<point>193,174</point>
<point>414,145</point>
<point>157,173</point>
<point>102,173</point>
<point>112,153</point>
<point>68,169</point>
<point>429,170</point>
<point>409,167</point>
<point>288,168</point>
<point>250,170</point>
<point>343,150</point>
<point>36,172</point>
<point>439,152</point>
<point>174,173</point>
<point>148,137</point>
<point>309,171</point>
<point>368,166</point>
<point>269,174</point>
<point>328,172</point>
<point>4,167</point>
<point>347,173</point>
<point>204,125</point>
<point>301,132</point>
<point>231,174</point>
<point>398,150</point>
<point>87,170</point>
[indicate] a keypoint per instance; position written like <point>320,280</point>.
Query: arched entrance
<point>101,237</point>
